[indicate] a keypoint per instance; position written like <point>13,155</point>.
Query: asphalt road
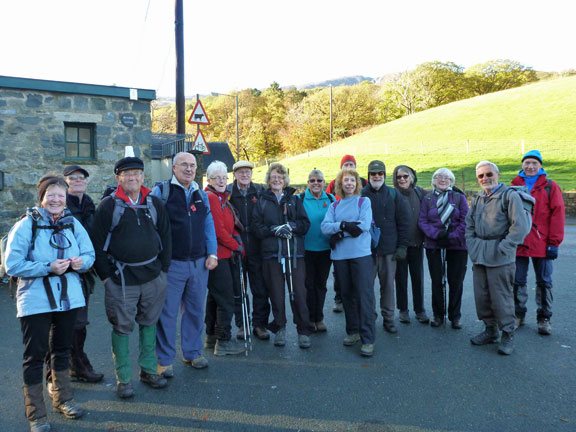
<point>420,380</point>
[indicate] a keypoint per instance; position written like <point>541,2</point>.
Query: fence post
<point>467,148</point>
<point>523,147</point>
<point>422,147</point>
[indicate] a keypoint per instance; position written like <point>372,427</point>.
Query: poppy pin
<point>193,207</point>
<point>254,200</point>
<point>325,205</point>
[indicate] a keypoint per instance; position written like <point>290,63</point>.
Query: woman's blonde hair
<point>281,170</point>
<point>338,183</point>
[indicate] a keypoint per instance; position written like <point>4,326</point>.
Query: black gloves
<point>335,238</point>
<point>351,228</point>
<point>443,241</point>
<point>552,252</point>
<point>400,254</point>
<point>283,231</point>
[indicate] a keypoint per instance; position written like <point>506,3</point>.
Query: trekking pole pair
<point>246,325</point>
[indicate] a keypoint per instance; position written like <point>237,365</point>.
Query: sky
<point>232,45</point>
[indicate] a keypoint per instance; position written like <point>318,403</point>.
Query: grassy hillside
<point>499,127</point>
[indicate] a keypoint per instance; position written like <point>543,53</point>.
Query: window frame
<point>92,143</point>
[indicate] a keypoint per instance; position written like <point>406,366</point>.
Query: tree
<point>497,75</point>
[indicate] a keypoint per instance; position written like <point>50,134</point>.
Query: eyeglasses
<point>442,177</point>
<point>130,175</point>
<point>488,174</point>
<point>276,177</point>
<point>187,165</point>
<point>402,177</point>
<point>219,179</point>
<point>315,180</point>
<point>77,177</point>
<point>379,173</point>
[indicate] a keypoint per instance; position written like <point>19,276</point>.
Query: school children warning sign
<point>198,115</point>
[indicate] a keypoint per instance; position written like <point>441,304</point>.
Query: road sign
<point>200,143</point>
<point>198,115</point>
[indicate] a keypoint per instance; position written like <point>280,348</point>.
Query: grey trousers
<point>385,270</point>
<point>494,295</point>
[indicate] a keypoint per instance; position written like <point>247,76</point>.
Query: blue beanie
<point>534,154</point>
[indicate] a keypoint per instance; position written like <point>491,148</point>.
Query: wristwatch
<point>213,256</point>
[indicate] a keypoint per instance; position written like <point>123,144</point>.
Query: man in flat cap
<point>194,254</point>
<point>131,236</point>
<point>541,244</point>
<point>244,195</point>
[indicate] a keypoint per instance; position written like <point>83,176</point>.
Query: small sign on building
<point>128,119</point>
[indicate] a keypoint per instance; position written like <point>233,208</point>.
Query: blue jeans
<point>543,269</point>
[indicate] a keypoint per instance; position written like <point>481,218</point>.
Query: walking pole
<point>245,315</point>
<point>443,258</point>
<point>289,266</point>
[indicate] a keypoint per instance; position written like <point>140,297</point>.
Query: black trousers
<point>46,334</point>
<point>317,271</point>
<point>414,263</point>
<point>220,301</point>
<point>456,263</point>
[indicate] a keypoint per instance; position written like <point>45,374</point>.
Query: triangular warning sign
<point>198,115</point>
<point>200,143</point>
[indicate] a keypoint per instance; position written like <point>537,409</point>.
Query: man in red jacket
<point>542,242</point>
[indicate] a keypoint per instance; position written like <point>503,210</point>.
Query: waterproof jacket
<point>350,209</point>
<point>492,233</point>
<point>32,265</point>
<point>269,213</point>
<point>413,197</point>
<point>244,205</point>
<point>82,210</point>
<point>136,239</point>
<point>547,218</point>
<point>391,214</point>
<point>316,209</point>
<point>430,223</point>
<point>222,213</point>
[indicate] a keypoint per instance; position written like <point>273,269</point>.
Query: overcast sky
<point>232,44</point>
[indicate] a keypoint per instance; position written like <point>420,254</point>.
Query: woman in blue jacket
<point>443,221</point>
<point>348,223</point>
<point>317,247</point>
<point>47,250</point>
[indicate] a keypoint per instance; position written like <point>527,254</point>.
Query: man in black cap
<point>392,215</point>
<point>133,244</point>
<point>82,208</point>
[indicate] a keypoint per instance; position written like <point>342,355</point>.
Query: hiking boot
<point>338,307</point>
<point>199,362</point>
<point>456,324</point>
<point>261,333</point>
<point>544,327</point>
<point>153,380</point>
<point>86,375</point>
<point>506,346</point>
<point>404,317</point>
<point>519,322</point>
<point>422,318</point>
<point>303,341</point>
<point>70,409</point>
<point>280,338</point>
<point>166,371</point>
<point>40,425</point>
<point>437,322</point>
<point>228,347</point>
<point>367,350</point>
<point>488,336</point>
<point>210,341</point>
<point>351,339</point>
<point>390,327</point>
<point>125,390</point>
<point>321,327</point>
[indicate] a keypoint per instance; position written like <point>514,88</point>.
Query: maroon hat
<point>347,158</point>
<point>50,180</point>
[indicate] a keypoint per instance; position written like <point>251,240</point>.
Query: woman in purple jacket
<point>442,219</point>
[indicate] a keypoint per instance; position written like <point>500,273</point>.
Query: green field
<point>499,127</point>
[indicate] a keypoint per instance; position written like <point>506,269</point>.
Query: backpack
<point>528,200</point>
<point>374,230</point>
<point>330,196</point>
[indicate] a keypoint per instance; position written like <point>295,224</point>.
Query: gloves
<point>283,231</point>
<point>351,228</point>
<point>442,234</point>
<point>335,238</point>
<point>400,254</point>
<point>552,252</point>
<point>443,241</point>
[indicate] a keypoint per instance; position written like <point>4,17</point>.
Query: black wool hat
<point>128,163</point>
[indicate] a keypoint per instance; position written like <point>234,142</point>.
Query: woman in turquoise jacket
<point>46,251</point>
<point>317,245</point>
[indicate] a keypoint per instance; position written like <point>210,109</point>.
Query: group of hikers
<point>180,249</point>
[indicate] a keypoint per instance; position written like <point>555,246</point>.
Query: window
<point>80,140</point>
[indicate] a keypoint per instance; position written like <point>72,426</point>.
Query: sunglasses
<point>404,177</point>
<point>315,180</point>
<point>379,173</point>
<point>488,174</point>
<point>77,177</point>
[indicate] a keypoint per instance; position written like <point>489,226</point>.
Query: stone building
<point>46,125</point>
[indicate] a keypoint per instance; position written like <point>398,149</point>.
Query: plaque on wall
<point>128,119</point>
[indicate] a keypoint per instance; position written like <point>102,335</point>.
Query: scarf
<point>445,209</point>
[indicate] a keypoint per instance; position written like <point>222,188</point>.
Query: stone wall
<point>32,141</point>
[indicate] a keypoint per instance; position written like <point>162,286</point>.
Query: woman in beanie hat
<point>47,250</point>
